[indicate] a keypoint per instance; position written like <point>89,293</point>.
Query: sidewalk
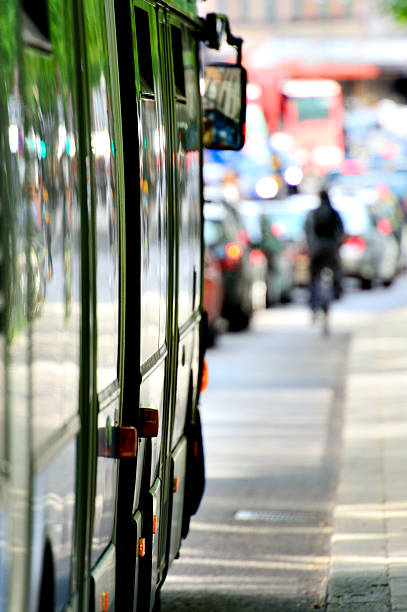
<point>368,571</point>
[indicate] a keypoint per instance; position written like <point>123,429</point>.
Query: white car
<point>367,253</point>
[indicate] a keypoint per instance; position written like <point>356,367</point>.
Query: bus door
<point>186,194</point>
<point>156,278</point>
<point>106,276</point>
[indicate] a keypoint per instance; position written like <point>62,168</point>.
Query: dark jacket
<point>324,230</point>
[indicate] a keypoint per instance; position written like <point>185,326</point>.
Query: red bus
<point>312,118</point>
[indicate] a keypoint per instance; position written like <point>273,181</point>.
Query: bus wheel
<point>46,603</point>
<point>366,283</point>
<point>157,601</point>
<point>239,321</point>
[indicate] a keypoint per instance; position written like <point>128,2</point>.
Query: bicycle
<point>322,295</point>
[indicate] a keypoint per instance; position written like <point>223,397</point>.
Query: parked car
<point>279,255</point>
<point>368,253</point>
<point>244,269</point>
<point>285,220</point>
<point>213,294</point>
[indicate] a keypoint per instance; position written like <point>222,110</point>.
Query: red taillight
<point>233,252</point>
<point>242,236</point>
<point>356,243</point>
<point>385,227</point>
<point>278,229</point>
<point>257,257</point>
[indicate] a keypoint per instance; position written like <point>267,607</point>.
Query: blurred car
<point>213,294</point>
<point>259,171</point>
<point>368,253</point>
<point>285,220</point>
<point>279,256</point>
<point>385,191</point>
<point>243,268</point>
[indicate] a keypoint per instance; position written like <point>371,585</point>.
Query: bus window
<point>178,61</point>
<point>105,222</point>
<point>187,171</point>
<point>106,211</point>
<point>152,194</point>
<point>145,65</point>
<point>38,13</point>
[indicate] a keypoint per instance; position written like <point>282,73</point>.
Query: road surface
<point>272,417</point>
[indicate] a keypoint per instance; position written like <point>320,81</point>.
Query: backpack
<point>323,230</point>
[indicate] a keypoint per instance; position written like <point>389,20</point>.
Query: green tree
<point>398,8</point>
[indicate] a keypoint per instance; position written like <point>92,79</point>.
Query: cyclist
<point>324,233</point>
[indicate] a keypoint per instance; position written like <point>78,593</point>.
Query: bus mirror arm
<point>215,25</point>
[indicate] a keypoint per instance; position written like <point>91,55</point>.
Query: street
<point>272,421</point>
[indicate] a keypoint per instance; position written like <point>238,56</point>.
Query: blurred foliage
<point>8,44</point>
<point>398,8</point>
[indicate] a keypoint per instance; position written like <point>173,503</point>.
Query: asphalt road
<point>272,418</point>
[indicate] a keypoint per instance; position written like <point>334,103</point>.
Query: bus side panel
<point>10,128</point>
<point>105,498</point>
<point>178,468</point>
<point>53,521</point>
<point>54,300</point>
<point>152,396</point>
<point>4,493</point>
<point>186,354</point>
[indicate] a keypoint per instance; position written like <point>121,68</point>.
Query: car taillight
<point>257,257</point>
<point>242,236</point>
<point>303,252</point>
<point>356,243</point>
<point>234,253</point>
<point>385,227</point>
<point>278,229</point>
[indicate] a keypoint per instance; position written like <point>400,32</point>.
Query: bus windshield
<point>312,108</point>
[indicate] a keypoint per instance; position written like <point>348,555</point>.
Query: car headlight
<point>327,156</point>
<point>267,187</point>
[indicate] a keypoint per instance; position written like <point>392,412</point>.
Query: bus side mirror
<point>224,106</point>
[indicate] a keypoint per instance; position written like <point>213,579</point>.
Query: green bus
<point>102,331</point>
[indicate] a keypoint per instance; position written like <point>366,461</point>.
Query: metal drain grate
<point>282,516</point>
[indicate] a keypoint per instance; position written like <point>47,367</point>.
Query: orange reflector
<point>154,524</point>
<point>104,601</point>
<point>149,423</point>
<point>142,547</point>
<point>117,442</point>
<point>175,484</point>
<point>205,375</point>
<point>127,442</point>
